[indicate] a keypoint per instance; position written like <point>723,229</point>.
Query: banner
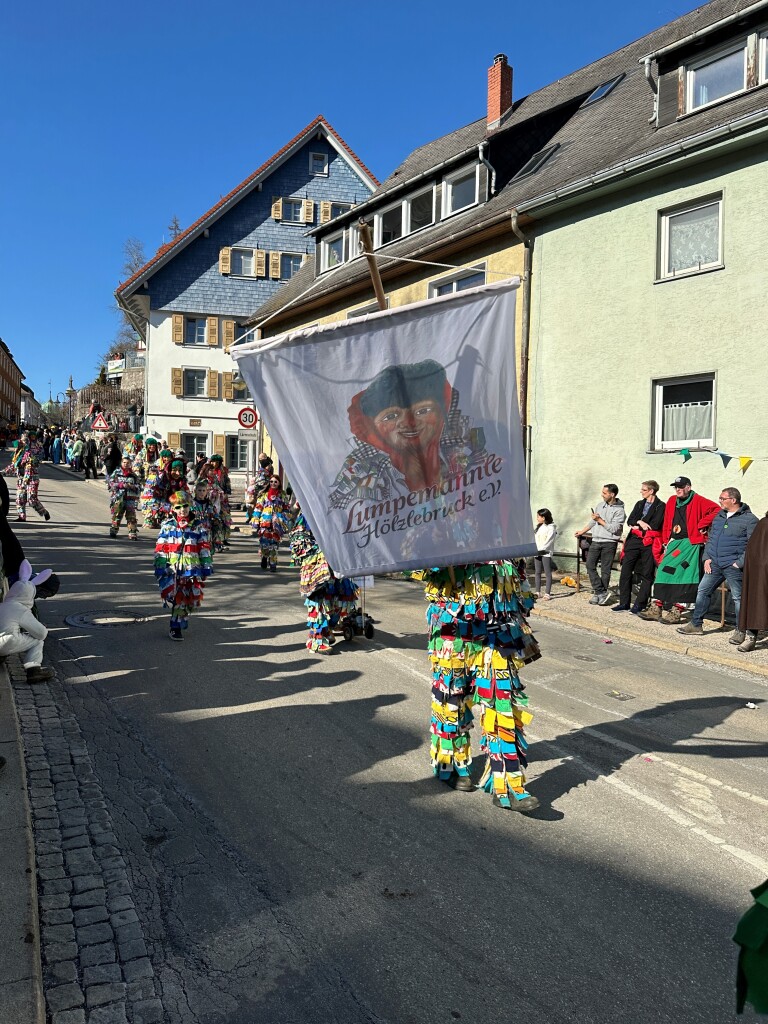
<point>400,431</point>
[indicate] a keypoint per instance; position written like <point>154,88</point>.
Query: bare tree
<point>174,228</point>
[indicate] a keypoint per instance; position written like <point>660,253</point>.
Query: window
<point>338,208</point>
<point>420,210</point>
<point>318,164</point>
<point>536,162</point>
<point>290,263</point>
<point>684,412</point>
<point>690,239</point>
<point>194,445</point>
<point>457,282</point>
<point>194,331</point>
<point>602,91</point>
<point>459,191</point>
<point>237,453</point>
<point>764,57</point>
<point>292,211</point>
<point>194,383</point>
<point>389,225</point>
<point>332,251</point>
<point>242,263</point>
<point>716,76</point>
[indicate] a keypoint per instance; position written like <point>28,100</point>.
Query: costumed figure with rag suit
<point>24,464</point>
<point>270,521</point>
<point>124,490</point>
<point>182,561</point>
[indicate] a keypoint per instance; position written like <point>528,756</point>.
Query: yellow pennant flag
<point>744,463</point>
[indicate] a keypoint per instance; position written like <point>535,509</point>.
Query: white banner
<point>400,431</point>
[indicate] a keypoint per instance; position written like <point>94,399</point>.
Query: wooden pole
<point>365,238</point>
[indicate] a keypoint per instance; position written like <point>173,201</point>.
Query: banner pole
<point>365,238</point>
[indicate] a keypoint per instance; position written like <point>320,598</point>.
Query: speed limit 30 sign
<point>247,418</point>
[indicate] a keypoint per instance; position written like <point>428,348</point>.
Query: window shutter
<point>225,260</point>
<point>274,266</point>
<point>177,329</point>
<point>174,440</point>
<point>277,209</point>
<point>325,212</point>
<point>213,383</point>
<point>308,211</point>
<point>227,389</point>
<point>667,100</point>
<point>212,332</point>
<point>177,381</point>
<point>219,445</point>
<point>260,262</point>
<point>228,334</point>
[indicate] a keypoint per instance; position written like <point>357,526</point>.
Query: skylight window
<point>536,162</point>
<point>602,91</point>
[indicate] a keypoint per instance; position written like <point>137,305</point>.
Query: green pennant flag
<point>686,453</point>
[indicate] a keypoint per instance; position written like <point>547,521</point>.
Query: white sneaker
<point>606,597</point>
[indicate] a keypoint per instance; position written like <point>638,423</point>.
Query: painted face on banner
<point>415,426</point>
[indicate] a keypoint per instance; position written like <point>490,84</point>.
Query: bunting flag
<point>401,435</point>
<point>685,452</point>
<point>726,459</point>
<point>744,463</point>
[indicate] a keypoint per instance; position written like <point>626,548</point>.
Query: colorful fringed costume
<point>221,488</point>
<point>123,486</point>
<point>269,523</point>
<point>24,464</point>
<point>328,599</point>
<point>478,640</point>
<point>182,561</point>
<point>170,479</point>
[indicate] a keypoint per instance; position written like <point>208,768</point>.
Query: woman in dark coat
<point>113,456</point>
<point>754,588</point>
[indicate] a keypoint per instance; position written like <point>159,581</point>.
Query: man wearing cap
<point>724,559</point>
<point>687,519</point>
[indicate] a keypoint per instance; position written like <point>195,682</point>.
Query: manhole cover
<point>585,657</point>
<point>104,620</point>
<point>620,695</point>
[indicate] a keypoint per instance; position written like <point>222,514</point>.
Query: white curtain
<point>687,421</point>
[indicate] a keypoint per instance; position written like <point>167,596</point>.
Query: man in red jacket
<point>687,519</point>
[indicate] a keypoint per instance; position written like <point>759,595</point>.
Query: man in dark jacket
<point>113,456</point>
<point>90,452</point>
<point>724,559</point>
<point>644,538</point>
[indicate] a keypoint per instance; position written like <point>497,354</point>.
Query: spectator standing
<point>687,519</point>
<point>724,559</point>
<point>112,456</point>
<point>90,454</point>
<point>77,453</point>
<point>753,613</point>
<point>56,449</point>
<point>642,548</point>
<point>544,535</point>
<point>605,528</point>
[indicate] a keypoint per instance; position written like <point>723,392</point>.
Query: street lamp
<point>71,394</point>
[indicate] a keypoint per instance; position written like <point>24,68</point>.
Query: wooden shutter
<point>667,99</point>
<point>212,332</point>
<point>177,381</point>
<point>274,266</point>
<point>325,212</point>
<point>308,211</point>
<point>225,260</point>
<point>227,387</point>
<point>177,329</point>
<point>260,262</point>
<point>213,383</point>
<point>277,209</point>
<point>228,334</point>
<point>174,440</point>
<point>220,445</point>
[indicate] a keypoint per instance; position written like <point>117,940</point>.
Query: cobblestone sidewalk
<point>95,964</point>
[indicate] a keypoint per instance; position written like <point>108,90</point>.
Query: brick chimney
<point>499,90</point>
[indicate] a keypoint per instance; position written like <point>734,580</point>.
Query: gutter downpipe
<point>481,153</point>
<point>654,89</point>
<point>526,340</point>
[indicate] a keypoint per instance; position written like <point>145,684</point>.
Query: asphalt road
<point>293,860</point>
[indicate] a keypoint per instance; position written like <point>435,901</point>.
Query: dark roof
<point>591,140</point>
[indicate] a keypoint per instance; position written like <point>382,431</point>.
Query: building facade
<point>10,388</point>
<point>189,302</point>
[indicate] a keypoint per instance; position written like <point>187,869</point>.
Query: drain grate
<point>105,619</point>
<point>621,695</point>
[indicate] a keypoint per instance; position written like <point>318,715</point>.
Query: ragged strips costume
<point>478,640</point>
<point>170,479</point>
<point>123,486</point>
<point>153,493</point>
<point>24,464</point>
<point>182,561</point>
<point>328,599</point>
<point>269,523</point>
<point>219,490</point>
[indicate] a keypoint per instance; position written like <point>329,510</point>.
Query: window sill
<point>689,273</point>
<point>711,449</point>
<point>718,102</point>
<point>194,398</point>
<point>455,213</point>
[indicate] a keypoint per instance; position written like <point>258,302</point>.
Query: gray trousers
<point>600,553</point>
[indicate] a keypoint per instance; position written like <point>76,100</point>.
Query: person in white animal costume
<point>20,632</point>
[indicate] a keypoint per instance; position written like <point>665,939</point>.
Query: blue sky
<point>118,117</point>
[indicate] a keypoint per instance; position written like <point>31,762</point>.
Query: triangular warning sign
<point>99,423</point>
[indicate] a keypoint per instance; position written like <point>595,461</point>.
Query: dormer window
<point>460,190</point>
<point>389,225</point>
<point>332,251</point>
<point>420,210</point>
<point>716,76</point>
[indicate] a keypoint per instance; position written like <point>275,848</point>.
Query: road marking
<point>632,749</point>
